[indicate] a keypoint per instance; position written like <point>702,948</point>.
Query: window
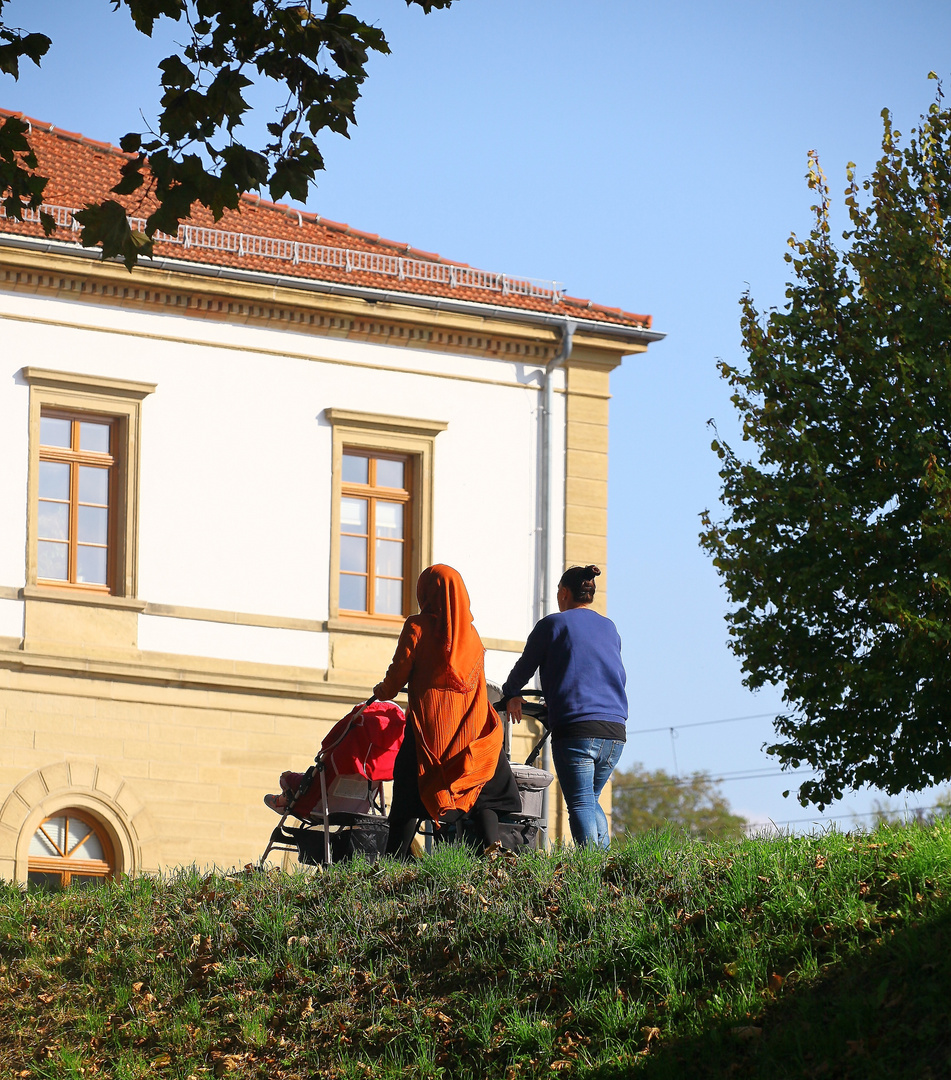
<point>75,494</point>
<point>381,515</point>
<point>70,848</point>
<point>375,543</point>
<point>82,517</point>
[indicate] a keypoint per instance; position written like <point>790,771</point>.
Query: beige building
<point>220,477</point>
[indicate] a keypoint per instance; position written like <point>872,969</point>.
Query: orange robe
<point>441,658</point>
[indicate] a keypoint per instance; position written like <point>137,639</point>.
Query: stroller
<point>340,804</point>
<point>339,800</point>
<point>519,830</point>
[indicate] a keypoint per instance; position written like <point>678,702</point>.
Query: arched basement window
<point>69,848</point>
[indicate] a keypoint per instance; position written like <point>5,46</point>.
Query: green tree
<point>644,800</point>
<point>884,812</point>
<point>836,550</point>
<point>315,53</point>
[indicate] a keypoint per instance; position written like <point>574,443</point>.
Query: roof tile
<point>83,170</point>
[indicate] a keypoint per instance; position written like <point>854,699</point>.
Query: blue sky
<point>651,157</point>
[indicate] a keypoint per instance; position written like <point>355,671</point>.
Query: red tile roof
<point>273,238</point>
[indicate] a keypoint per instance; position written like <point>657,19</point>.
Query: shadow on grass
<point>880,1016</point>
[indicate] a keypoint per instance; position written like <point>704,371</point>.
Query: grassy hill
<point>798,957</point>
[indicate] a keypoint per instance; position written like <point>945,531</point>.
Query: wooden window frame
<point>118,401</point>
<point>373,493</point>
<point>388,437</point>
<point>74,456</point>
<point>98,868</point>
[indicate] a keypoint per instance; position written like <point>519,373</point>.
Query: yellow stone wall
<point>176,772</point>
<point>183,768</point>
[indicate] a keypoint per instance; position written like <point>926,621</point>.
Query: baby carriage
<point>340,804</point>
<point>518,830</point>
<point>533,782</point>
<point>339,800</point>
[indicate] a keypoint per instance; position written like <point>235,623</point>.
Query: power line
<point>676,781</point>
<point>839,817</point>
<point>700,723</point>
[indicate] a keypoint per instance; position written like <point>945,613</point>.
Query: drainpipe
<point>545,602</point>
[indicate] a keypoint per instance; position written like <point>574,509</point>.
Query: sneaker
<point>277,803</point>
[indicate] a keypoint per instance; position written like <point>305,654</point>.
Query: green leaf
<point>105,224</point>
<point>33,46</point>
<point>132,178</point>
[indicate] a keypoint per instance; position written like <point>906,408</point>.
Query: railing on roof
<point>337,258</point>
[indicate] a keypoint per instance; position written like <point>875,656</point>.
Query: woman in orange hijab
<point>451,762</point>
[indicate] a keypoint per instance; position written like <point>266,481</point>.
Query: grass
<point>820,957</point>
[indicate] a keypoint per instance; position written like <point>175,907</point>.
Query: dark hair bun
<point>579,580</point>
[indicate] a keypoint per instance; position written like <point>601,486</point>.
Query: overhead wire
<point>739,775</point>
<point>912,810</point>
<point>700,723</point>
<point>742,774</point>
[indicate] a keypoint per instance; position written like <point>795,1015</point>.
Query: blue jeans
<point>583,767</point>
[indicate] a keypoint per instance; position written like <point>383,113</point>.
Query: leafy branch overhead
<point>316,54</point>
<point>836,547</point>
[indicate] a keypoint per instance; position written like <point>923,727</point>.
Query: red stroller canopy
<point>359,750</point>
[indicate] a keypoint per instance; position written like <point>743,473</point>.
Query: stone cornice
<point>184,672</point>
<point>168,289</point>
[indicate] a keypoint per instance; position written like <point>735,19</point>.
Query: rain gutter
<point>634,335</point>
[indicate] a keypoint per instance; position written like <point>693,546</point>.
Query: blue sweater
<point>578,653</point>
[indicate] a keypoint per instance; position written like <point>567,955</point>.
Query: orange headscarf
<point>442,593</point>
<point>440,656</point>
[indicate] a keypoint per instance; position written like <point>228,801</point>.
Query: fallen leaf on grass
<point>776,982</point>
<point>650,1034</point>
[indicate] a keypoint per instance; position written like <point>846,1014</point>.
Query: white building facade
<point>219,482</point>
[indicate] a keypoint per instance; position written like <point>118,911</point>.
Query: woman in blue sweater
<point>578,655</point>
